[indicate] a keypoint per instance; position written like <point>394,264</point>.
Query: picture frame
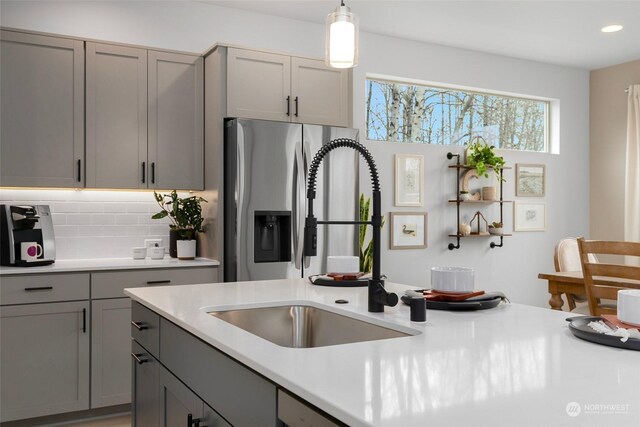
<point>408,230</point>
<point>529,216</point>
<point>409,176</point>
<point>530,180</point>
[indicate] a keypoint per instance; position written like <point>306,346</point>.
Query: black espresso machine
<point>21,224</point>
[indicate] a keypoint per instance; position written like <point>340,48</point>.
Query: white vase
<point>186,249</point>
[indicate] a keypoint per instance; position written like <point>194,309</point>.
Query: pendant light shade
<point>341,47</point>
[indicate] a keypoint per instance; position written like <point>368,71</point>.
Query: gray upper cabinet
<point>269,86</point>
<point>116,112</point>
<point>320,93</point>
<point>175,107</point>
<point>258,85</point>
<point>42,111</point>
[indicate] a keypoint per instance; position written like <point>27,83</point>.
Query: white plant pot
<point>186,249</point>
<point>452,279</point>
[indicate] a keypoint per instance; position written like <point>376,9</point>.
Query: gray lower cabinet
<point>42,111</point>
<point>110,341</point>
<point>45,359</point>
<point>224,384</point>
<point>179,406</point>
<point>145,387</point>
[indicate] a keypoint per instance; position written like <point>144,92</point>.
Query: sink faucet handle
<point>379,297</point>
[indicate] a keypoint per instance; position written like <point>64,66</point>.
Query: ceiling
<point>558,32</point>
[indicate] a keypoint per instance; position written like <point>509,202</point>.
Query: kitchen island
<point>511,365</point>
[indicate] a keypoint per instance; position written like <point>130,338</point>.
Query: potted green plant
<point>366,251</point>
<point>186,221</point>
<point>495,228</point>
<point>481,156</point>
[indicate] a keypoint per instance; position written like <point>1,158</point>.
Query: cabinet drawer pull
<point>84,320</point>
<point>139,326</point>
<point>192,422</point>
<point>153,172</point>
<point>79,170</point>
<point>144,171</point>
<point>296,100</point>
<point>288,105</point>
<point>136,357</point>
<point>157,282</point>
<point>39,288</point>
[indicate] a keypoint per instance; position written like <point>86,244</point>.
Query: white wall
<point>193,26</point>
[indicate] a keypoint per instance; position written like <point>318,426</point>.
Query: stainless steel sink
<point>304,326</point>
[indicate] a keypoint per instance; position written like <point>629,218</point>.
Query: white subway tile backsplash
<point>78,219</point>
<point>96,224</point>
<point>123,219</point>
<point>90,231</point>
<point>65,231</point>
<point>58,219</point>
<point>139,207</point>
<point>103,219</point>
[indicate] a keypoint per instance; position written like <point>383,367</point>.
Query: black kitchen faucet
<point>378,296</point>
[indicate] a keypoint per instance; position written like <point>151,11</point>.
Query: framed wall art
<point>529,216</point>
<point>409,180</point>
<point>530,180</point>
<point>408,230</point>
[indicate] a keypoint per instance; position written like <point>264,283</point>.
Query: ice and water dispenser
<point>272,236</point>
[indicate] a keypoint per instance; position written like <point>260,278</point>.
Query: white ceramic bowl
<point>156,252</point>
<point>343,264</point>
<point>629,306</point>
<point>139,252</point>
<point>452,279</point>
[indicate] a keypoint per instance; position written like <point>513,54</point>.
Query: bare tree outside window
<point>409,113</point>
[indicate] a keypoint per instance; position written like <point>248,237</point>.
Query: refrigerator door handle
<point>298,208</point>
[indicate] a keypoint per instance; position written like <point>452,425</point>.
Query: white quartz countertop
<point>80,265</point>
<point>513,365</point>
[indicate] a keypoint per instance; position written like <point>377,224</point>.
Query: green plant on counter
<point>366,253</point>
<point>185,213</point>
<point>480,155</point>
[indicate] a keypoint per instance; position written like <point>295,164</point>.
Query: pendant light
<point>341,47</point>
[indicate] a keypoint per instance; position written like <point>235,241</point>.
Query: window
<point>412,113</point>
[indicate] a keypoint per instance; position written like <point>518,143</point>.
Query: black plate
<point>481,304</point>
<point>327,281</point>
<point>579,327</point>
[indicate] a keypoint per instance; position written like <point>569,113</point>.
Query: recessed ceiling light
<point>611,28</point>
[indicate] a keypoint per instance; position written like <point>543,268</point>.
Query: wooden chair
<point>566,257</point>
<point>604,280</point>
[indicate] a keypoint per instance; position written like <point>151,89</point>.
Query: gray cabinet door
<point>145,387</point>
<point>110,352</point>
<point>322,93</point>
<point>44,350</point>
<point>116,116</point>
<point>176,121</point>
<point>258,85</point>
<point>41,111</point>
<point>178,404</point>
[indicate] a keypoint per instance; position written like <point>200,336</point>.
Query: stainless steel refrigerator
<point>265,187</point>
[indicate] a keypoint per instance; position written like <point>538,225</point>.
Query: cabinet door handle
<point>288,105</point>
<point>296,101</point>
<point>79,170</point>
<point>139,326</point>
<point>153,172</point>
<point>136,357</point>
<point>84,320</point>
<point>144,171</point>
<point>157,282</point>
<point>192,422</point>
<point>39,288</point>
